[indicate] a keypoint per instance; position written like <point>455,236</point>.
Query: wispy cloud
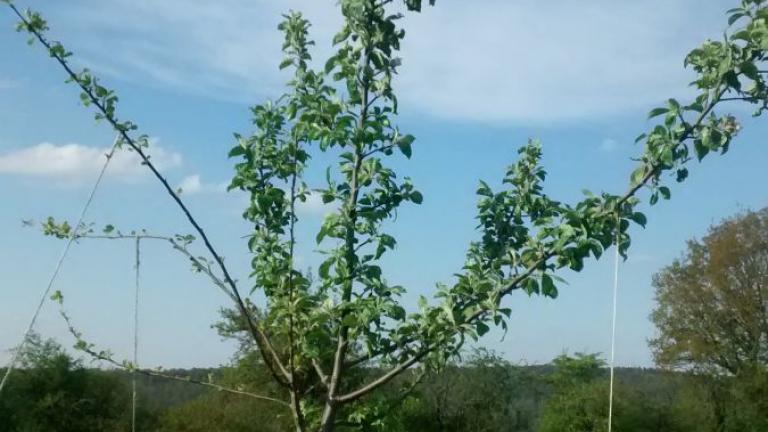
<point>227,49</point>
<point>489,61</point>
<point>314,206</point>
<point>72,164</point>
<point>6,84</point>
<point>559,60</point>
<point>193,185</point>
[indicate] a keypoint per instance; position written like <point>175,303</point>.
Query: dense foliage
<point>482,393</point>
<point>712,304</point>
<point>712,316</point>
<point>54,392</point>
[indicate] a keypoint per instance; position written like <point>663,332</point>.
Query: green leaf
<point>237,150</point>
<point>321,233</point>
<point>665,192</point>
<point>330,64</point>
<point>750,70</point>
<point>531,286</point>
<point>372,272</point>
<point>324,268</point>
<point>700,149</point>
<point>732,80</point>
<point>80,345</point>
<point>696,106</point>
<point>735,17</point>
<point>548,287</point>
<point>342,35</point>
<point>422,302</point>
<point>328,197</point>
<point>484,190</point>
<point>57,297</point>
<point>674,105</point>
<point>397,313</point>
<point>482,328</point>
<point>657,112</point>
<point>668,156</point>
<point>639,219</point>
<point>404,144</point>
<point>638,175</point>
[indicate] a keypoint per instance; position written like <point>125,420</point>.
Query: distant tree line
<point>482,393</point>
<point>712,348</point>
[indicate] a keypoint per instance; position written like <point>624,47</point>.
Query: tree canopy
<point>712,303</point>
<point>53,391</point>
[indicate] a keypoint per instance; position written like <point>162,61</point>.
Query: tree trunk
<point>298,416</point>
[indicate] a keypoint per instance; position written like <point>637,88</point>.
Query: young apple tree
<point>333,337</point>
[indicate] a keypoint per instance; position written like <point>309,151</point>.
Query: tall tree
<point>712,303</point>
<point>316,331</point>
<point>578,402</point>
<point>644,401</point>
<point>484,393</point>
<point>712,318</point>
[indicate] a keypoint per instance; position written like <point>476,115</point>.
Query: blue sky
<point>478,79</point>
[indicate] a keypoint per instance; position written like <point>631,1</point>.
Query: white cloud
<point>560,60</point>
<point>229,49</point>
<point>314,205</point>
<point>192,185</point>
<point>489,60</point>
<point>75,163</point>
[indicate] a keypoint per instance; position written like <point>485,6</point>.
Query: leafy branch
<point>105,100</point>
<point>106,356</point>
<point>63,230</point>
<point>667,148</point>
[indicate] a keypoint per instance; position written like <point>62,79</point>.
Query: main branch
<point>652,172</point>
<point>266,349</point>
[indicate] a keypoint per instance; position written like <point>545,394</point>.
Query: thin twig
<point>265,347</point>
<point>133,367</point>
<point>198,265</point>
<point>58,265</point>
<point>154,373</point>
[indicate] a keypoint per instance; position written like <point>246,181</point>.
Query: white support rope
<point>135,335</point>
<point>613,321</point>
<point>17,352</point>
